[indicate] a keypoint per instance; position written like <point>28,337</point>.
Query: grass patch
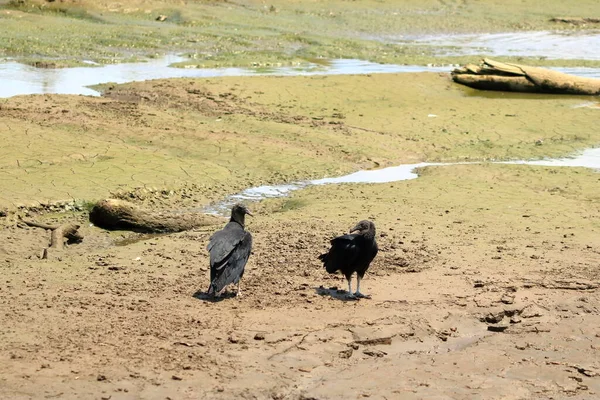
<point>233,33</point>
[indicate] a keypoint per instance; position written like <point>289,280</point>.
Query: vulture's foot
<point>359,295</point>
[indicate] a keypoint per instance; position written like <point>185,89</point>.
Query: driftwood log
<point>114,214</point>
<point>58,235</point>
<point>495,75</point>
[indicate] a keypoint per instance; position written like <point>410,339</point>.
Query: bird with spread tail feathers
<point>229,251</point>
<point>352,253</point>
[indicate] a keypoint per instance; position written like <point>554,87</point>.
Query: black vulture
<point>352,253</point>
<point>229,250</point>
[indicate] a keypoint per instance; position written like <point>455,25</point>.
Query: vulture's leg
<point>349,295</point>
<point>239,290</point>
<point>358,293</point>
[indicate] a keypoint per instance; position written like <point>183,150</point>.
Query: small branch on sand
<point>58,235</point>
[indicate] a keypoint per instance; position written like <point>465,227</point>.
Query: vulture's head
<point>365,228</point>
<point>238,213</point>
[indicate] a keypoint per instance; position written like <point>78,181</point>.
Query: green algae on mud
<point>208,138</point>
<point>223,33</point>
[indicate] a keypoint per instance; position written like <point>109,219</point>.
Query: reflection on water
<point>552,45</point>
<point>589,158</point>
<point>17,79</point>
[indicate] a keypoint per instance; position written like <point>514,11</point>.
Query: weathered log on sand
<point>114,214</point>
<point>59,233</point>
<point>495,75</point>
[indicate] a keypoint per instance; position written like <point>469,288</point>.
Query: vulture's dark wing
<point>222,243</point>
<point>228,268</point>
<point>344,251</point>
<point>370,251</point>
<point>374,250</point>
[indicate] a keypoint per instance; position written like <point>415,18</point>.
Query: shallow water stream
<point>21,79</point>
<point>570,45</point>
<point>589,158</point>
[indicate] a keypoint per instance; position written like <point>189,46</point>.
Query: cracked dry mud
<point>485,287</point>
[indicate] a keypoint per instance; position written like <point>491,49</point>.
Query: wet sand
<point>485,287</point>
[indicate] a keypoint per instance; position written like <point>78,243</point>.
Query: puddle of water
<point>552,45</point>
<point>589,158</point>
<point>21,79</point>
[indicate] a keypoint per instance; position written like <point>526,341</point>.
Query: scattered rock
<point>176,378</point>
<point>259,336</point>
<point>497,328</point>
<point>508,298</point>
<point>374,353</point>
<point>101,378</point>
<point>161,18</point>
<point>444,335</point>
<point>346,353</point>
<point>515,319</point>
<point>494,317</point>
<point>369,342</point>
<point>531,311</point>
<point>587,371</point>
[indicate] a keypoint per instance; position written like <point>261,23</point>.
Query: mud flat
<point>486,284</point>
<point>486,270</point>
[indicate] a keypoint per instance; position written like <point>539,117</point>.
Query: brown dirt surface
<point>121,322</point>
<point>485,287</point>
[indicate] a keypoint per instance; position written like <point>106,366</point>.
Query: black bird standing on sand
<point>352,253</point>
<point>229,250</point>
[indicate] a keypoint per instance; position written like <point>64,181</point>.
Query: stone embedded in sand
<point>531,311</point>
<point>497,328</point>
<point>494,317</point>
<point>346,353</point>
<point>508,298</point>
<point>374,353</point>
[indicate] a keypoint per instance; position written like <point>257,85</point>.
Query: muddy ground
<point>465,251</point>
<point>486,285</point>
